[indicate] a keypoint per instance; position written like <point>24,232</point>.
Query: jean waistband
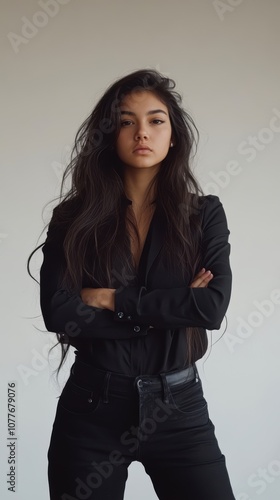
<point>121,383</point>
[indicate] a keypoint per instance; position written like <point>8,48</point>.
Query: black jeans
<point>104,421</point>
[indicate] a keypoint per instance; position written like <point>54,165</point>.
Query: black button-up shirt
<point>146,334</point>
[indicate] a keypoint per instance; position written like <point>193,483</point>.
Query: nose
<point>141,133</point>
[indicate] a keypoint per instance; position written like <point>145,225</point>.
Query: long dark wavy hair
<point>93,210</point>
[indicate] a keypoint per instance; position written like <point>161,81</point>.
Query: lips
<point>142,148</point>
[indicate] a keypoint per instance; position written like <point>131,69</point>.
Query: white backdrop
<point>58,56</point>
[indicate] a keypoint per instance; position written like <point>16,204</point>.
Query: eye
<point>124,123</point>
<point>156,121</point>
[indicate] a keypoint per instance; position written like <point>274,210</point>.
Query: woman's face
<point>144,123</point>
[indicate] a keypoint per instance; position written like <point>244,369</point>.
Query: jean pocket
<point>187,400</point>
<point>79,400</point>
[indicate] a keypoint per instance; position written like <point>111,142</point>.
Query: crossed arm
<point>111,313</point>
<point>104,298</point>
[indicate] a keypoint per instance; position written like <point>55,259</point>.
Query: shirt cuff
<point>126,301</point>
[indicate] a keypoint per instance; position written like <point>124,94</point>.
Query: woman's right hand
<point>202,279</point>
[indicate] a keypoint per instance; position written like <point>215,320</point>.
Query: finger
<point>206,281</point>
<point>198,276</point>
<point>200,273</point>
<point>202,281</point>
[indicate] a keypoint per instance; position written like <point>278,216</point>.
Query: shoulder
<point>212,209</point>
<point>66,209</point>
<point>62,217</point>
<point>210,200</point>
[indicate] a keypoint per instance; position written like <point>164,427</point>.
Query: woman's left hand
<point>102,298</point>
<point>202,279</point>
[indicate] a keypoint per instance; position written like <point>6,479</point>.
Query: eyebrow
<point>152,112</point>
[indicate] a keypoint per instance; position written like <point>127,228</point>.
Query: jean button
<point>136,328</point>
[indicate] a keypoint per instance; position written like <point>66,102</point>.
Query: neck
<point>136,186</point>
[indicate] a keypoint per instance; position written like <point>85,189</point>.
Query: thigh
<point>74,483</point>
<point>85,458</point>
<point>182,456</point>
<point>201,482</point>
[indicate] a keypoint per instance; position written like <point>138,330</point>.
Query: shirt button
<point>136,328</point>
<point>120,314</point>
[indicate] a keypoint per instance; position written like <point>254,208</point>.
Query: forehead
<point>142,98</point>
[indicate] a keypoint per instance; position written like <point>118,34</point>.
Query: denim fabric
<point>103,422</point>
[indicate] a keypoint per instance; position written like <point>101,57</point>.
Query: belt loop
<point>106,387</point>
<point>165,388</point>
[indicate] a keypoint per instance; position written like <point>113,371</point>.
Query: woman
<point>136,268</point>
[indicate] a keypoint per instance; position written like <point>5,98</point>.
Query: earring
<point>171,144</point>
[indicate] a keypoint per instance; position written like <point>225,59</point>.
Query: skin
<point>140,128</point>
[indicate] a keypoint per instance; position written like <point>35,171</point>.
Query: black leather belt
<point>179,377</point>
<point>92,377</point>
